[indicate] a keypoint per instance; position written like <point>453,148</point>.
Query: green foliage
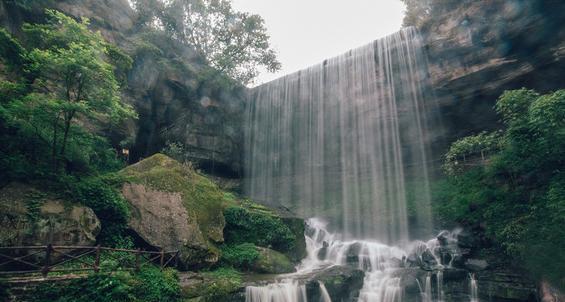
<point>241,256</point>
<point>242,225</point>
<point>149,285</point>
<point>11,90</point>
<point>464,152</point>
<point>222,281</point>
<point>11,50</point>
<point>419,12</point>
<point>176,151</point>
<point>70,88</point>
<point>201,197</point>
<point>518,193</point>
<point>234,43</point>
<point>74,81</point>
<point>101,194</point>
<point>94,288</point>
<point>121,61</point>
<point>154,285</point>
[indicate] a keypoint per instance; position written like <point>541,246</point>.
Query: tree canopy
<point>72,85</point>
<point>235,43</point>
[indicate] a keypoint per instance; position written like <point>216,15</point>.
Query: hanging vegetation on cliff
<point>518,194</point>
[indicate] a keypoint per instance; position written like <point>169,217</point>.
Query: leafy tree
<point>418,12</point>
<point>233,42</point>
<point>74,83</point>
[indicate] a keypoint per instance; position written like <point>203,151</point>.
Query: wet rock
<point>476,265</point>
<point>204,287</point>
<point>323,252</point>
<point>353,253</point>
<point>296,226</point>
<point>342,283</point>
<point>466,240</point>
<point>548,293</point>
<point>272,262</point>
<point>427,261</point>
<point>29,216</point>
<point>506,286</point>
<point>443,238</point>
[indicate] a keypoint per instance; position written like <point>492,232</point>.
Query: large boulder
<point>341,282</point>
<point>217,286</point>
<point>272,262</point>
<point>506,285</point>
<point>175,208</point>
<point>30,217</point>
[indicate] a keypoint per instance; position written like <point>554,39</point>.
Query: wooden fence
<point>18,260</point>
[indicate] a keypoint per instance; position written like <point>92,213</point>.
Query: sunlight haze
<point>305,33</point>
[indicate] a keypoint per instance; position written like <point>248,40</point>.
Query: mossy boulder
<point>29,216</point>
<point>175,208</point>
<point>284,234</point>
<point>272,262</point>
<point>217,286</point>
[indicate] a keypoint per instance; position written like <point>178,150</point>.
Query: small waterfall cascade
<point>474,288</point>
<point>381,264</point>
<point>347,140</point>
<point>286,291</point>
<point>440,293</point>
<point>427,290</point>
<point>325,296</point>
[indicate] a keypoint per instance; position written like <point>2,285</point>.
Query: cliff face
<point>178,97</point>
<point>478,49</point>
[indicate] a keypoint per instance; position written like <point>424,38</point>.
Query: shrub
<point>100,193</point>
<point>149,285</point>
<point>518,193</point>
<point>154,285</point>
<point>262,229</point>
<point>240,256</point>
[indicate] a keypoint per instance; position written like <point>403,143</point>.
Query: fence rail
<point>45,259</point>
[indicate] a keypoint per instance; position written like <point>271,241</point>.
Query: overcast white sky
<point>305,32</point>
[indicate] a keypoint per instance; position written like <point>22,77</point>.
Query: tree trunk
<point>68,119</point>
<point>54,144</point>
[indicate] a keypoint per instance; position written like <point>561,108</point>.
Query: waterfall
<point>427,292</point>
<point>381,287</point>
<point>474,288</point>
<point>347,140</point>
<point>286,291</point>
<point>325,296</point>
<point>380,263</point>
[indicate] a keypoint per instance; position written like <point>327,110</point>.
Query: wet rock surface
<point>272,262</point>
<point>30,217</point>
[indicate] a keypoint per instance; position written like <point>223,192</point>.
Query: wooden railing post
<point>46,266</point>
<point>137,258</point>
<point>162,258</point>
<point>97,259</point>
